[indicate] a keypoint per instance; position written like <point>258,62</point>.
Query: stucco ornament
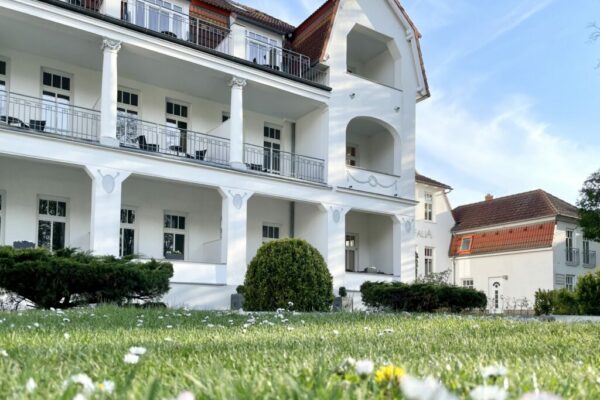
<point>336,216</point>
<point>111,45</point>
<point>108,181</point>
<point>238,82</point>
<point>237,199</point>
<point>373,181</point>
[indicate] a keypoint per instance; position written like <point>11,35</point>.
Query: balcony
<point>174,24</point>
<point>572,257</point>
<point>589,259</point>
<point>281,163</point>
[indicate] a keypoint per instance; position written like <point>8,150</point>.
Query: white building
<point>434,224</point>
<point>196,130</point>
<point>511,246</point>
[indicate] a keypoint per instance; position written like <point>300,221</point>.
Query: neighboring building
<point>434,223</point>
<point>511,246</point>
<point>196,130</point>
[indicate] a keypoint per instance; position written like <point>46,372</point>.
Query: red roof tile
<point>514,208</point>
<point>527,237</point>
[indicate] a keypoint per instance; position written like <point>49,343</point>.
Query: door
<point>495,295</point>
<point>351,252</point>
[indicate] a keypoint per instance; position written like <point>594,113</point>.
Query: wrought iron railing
<point>282,163</point>
<point>49,115</point>
<point>146,136</point>
<point>92,5</point>
<point>279,59</point>
<point>172,22</point>
<point>589,259</point>
<point>572,256</point>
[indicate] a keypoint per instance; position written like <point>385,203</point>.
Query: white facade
<point>213,150</point>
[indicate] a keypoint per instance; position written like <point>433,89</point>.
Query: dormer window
<point>465,244</point>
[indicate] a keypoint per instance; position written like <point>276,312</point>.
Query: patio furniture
<point>144,145</point>
<point>37,125</point>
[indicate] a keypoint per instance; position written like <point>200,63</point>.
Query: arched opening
<point>369,56</point>
<point>371,145</point>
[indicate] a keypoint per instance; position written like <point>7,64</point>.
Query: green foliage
<point>68,278</point>
<point>421,297</point>
<point>565,302</point>
<point>544,302</point>
<point>342,291</point>
<point>588,293</point>
<point>284,271</point>
<point>589,207</point>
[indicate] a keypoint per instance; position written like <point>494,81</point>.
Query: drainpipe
<point>292,218</point>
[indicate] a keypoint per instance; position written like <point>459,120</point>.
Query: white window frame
<point>54,106</point>
<point>173,12</point>
<point>176,231</point>
<point>173,133</point>
<point>569,245</point>
<point>6,76</point>
<point>570,282</point>
<point>355,249</point>
<point>428,260</point>
<point>268,225</point>
<point>428,206</point>
<point>132,226</point>
<point>468,283</point>
<point>52,219</point>
<point>355,157</point>
<point>586,252</point>
<point>275,155</point>
<point>128,116</point>
<point>2,215</point>
<point>264,46</point>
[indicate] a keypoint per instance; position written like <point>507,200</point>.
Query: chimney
<point>489,197</point>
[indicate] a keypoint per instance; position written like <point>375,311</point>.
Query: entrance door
<point>351,252</point>
<point>495,295</point>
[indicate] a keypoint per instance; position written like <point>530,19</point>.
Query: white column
<point>236,126</point>
<point>234,233</point>
<point>404,232</point>
<point>110,79</point>
<point>111,8</point>
<point>106,209</point>
<point>397,246</point>
<point>335,250</point>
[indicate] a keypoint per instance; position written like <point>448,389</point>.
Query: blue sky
<point>515,90</point>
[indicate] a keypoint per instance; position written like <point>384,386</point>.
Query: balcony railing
<point>92,5</point>
<point>589,259</point>
<point>280,59</point>
<point>49,115</point>
<point>146,136</point>
<point>282,163</point>
<point>572,256</point>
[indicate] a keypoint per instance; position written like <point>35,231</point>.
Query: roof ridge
<point>549,202</point>
<point>498,198</point>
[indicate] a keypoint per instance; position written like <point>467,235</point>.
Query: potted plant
<point>343,302</point>
<point>237,299</point>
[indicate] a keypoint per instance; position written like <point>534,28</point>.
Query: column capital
<point>337,212</point>
<point>238,83</point>
<point>237,197</point>
<point>108,178</point>
<point>111,45</point>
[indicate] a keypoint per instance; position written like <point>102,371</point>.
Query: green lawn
<point>296,356</point>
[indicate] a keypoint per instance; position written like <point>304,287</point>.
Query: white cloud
<point>506,152</point>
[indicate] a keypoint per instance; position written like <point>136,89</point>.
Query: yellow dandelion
<point>389,373</point>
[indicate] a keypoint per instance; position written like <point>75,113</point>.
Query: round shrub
<point>284,271</point>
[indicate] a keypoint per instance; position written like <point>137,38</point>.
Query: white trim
<point>356,249</point>
<point>176,232</point>
<point>502,253</point>
<point>133,226</point>
<point>269,225</point>
<point>472,285</point>
<point>53,71</point>
<point>2,215</point>
<point>52,218</point>
<point>7,75</point>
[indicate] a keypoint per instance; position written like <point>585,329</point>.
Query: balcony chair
<point>37,125</point>
<point>200,155</point>
<point>145,146</point>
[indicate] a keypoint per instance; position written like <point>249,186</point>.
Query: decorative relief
<point>238,82</point>
<point>373,182</point>
<point>108,181</point>
<point>111,45</point>
<point>237,199</point>
<point>408,224</point>
<point>425,234</point>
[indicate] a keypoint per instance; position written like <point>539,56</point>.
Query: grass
<point>293,356</point>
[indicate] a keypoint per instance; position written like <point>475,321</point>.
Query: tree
<point>589,207</point>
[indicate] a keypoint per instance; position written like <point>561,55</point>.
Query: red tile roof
<point>509,209</point>
<point>527,237</point>
<point>428,181</point>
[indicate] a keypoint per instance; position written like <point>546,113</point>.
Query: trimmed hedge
<point>421,297</point>
<point>68,278</point>
<point>288,271</point>
<point>585,300</point>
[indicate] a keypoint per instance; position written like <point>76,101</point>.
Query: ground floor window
<point>351,252</point>
<point>570,282</point>
<point>127,235</point>
<point>270,232</point>
<point>174,236</point>
<point>428,260</point>
<point>468,283</point>
<point>52,223</point>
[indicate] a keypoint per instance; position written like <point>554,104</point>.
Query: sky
<point>515,93</point>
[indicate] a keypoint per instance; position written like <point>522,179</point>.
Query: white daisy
<point>488,393</point>
<point>187,395</point>
<point>30,386</point>
<point>540,396</point>
<point>131,358</point>
<point>364,367</point>
<point>427,389</point>
<point>493,371</point>
<point>106,386</point>
<point>83,380</point>
<point>138,351</point>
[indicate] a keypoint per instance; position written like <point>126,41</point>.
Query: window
<point>570,256</point>
<point>225,116</point>
<point>570,282</point>
<point>174,237</point>
<point>52,223</point>
<point>127,234</point>
<point>2,207</point>
<point>177,125</point>
<point>428,260</point>
<point>270,232</point>
<point>586,252</point>
<point>428,207</point>
<point>263,51</point>
<point>272,147</point>
<point>56,95</point>
<point>159,16</point>
<point>128,111</point>
<point>352,155</point>
<point>3,84</point>
<point>468,283</point>
<point>351,252</point>
<point>465,244</point>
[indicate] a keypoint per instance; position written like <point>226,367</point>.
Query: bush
<point>421,297</point>
<point>342,291</point>
<point>544,302</point>
<point>565,302</point>
<point>288,270</point>
<point>68,278</point>
<point>588,293</point>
